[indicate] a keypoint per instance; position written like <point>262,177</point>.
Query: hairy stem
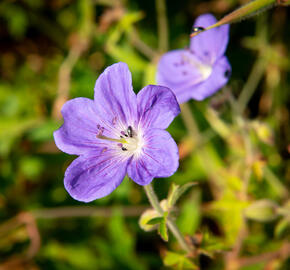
<point>171,224</point>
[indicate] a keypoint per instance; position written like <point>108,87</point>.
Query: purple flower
<point>201,70</point>
<point>117,133</point>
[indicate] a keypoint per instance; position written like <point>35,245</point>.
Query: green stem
<point>162,25</point>
<point>189,121</point>
<point>171,224</point>
<point>251,85</point>
<point>248,10</point>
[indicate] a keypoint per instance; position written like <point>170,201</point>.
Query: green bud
<point>145,218</point>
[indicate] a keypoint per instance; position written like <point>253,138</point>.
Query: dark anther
<point>124,148</point>
<point>227,73</point>
<point>130,131</point>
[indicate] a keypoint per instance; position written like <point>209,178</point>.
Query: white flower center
<point>132,142</point>
<point>204,69</point>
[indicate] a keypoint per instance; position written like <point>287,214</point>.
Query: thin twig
<point>33,233</point>
<point>141,46</point>
<point>86,211</point>
<point>283,252</point>
<point>64,77</point>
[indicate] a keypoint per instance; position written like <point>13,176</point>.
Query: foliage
<point>236,216</point>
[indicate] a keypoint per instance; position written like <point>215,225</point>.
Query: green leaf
<point>178,261</point>
<point>282,229</point>
<point>150,74</point>
<point>190,215</point>
<point>163,227</point>
<point>128,55</point>
<point>156,220</point>
<point>16,126</point>
<point>262,210</point>
<point>176,192</point>
<point>211,244</point>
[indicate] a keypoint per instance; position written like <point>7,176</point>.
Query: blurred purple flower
<point>201,70</point>
<point>117,133</point>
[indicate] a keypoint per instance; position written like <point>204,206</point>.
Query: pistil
<point>121,140</point>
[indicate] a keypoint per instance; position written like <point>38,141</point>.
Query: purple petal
<point>179,70</point>
<point>211,44</point>
<point>219,77</point>
<point>157,106</point>
<point>114,96</point>
<point>78,133</point>
<point>94,175</point>
<point>175,69</point>
<point>159,158</point>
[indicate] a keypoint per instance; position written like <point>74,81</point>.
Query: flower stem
<point>251,85</point>
<point>189,121</point>
<point>162,25</point>
<point>151,195</point>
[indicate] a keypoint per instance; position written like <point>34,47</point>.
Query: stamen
<point>129,141</point>
<point>130,131</point>
<point>124,134</point>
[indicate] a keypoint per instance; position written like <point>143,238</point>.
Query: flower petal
<point>78,133</point>
<point>114,96</point>
<point>94,175</point>
<point>159,158</point>
<point>211,44</point>
<point>219,77</point>
<point>157,106</point>
<point>175,68</point>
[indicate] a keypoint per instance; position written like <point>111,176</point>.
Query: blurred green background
<point>237,217</point>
